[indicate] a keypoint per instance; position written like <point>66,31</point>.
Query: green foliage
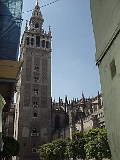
<point>91,144</point>
<point>11,147</point>
<point>97,144</point>
<point>56,149</point>
<point>46,151</point>
<point>60,148</point>
<point>75,147</point>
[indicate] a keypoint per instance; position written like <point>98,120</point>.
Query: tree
<point>54,150</point>
<point>90,144</point>
<point>60,148</point>
<point>11,147</point>
<point>46,151</point>
<point>75,147</point>
<point>97,144</point>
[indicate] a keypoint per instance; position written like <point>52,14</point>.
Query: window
<point>47,44</point>
<point>34,150</point>
<point>36,25</point>
<point>43,43</point>
<point>35,103</point>
<point>35,114</point>
<point>95,107</point>
<point>32,41</point>
<point>27,40</point>
<point>36,79</point>
<point>34,130</point>
<point>35,90</point>
<point>38,41</point>
<point>57,122</point>
<point>36,68</point>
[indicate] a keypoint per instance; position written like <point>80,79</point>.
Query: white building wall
<point>106,23</point>
<point>111,98</point>
<point>105,18</point>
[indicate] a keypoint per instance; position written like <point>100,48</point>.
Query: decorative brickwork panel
<point>44,96</point>
<point>33,50</point>
<point>28,68</point>
<point>37,50</point>
<point>27,95</point>
<point>37,61</point>
<point>44,71</point>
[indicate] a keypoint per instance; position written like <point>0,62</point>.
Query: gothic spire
<point>83,95</point>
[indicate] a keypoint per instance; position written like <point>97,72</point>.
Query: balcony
<point>34,134</point>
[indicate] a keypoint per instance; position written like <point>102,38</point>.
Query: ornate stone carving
<point>44,96</point>
<point>28,68</point>
<point>27,92</point>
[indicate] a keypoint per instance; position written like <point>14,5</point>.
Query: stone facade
<point>34,96</point>
<point>83,114</point>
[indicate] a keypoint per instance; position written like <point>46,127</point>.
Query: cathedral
<point>34,88</point>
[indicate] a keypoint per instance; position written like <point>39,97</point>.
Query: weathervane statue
<point>37,2</point>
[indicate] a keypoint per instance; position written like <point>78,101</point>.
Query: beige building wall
<point>106,26</point>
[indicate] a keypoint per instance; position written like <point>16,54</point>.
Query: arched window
<point>35,90</point>
<point>27,41</point>
<point>38,41</point>
<point>34,130</point>
<point>36,25</point>
<point>35,114</point>
<point>32,41</point>
<point>36,68</point>
<point>57,122</point>
<point>95,107</point>
<point>43,43</point>
<point>36,78</point>
<point>47,44</point>
<point>35,103</point>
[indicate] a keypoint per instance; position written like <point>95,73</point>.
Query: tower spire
<point>36,2</point>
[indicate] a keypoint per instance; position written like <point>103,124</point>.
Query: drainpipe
<point>2,103</point>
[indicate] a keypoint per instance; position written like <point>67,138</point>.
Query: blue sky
<point>73,47</point>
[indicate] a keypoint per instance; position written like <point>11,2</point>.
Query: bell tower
<point>34,127</point>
